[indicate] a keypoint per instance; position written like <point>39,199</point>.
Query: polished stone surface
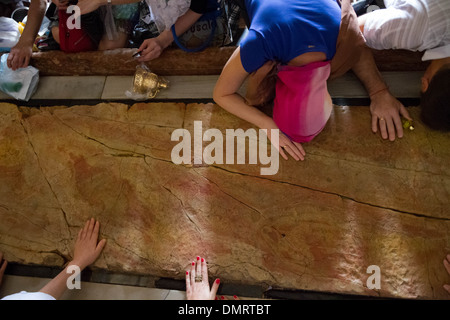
<point>355,201</point>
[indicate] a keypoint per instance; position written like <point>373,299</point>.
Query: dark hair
<point>435,102</point>
<point>266,88</point>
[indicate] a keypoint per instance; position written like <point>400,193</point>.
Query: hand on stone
<point>447,266</point>
<point>87,250</point>
<point>199,290</point>
<point>386,111</point>
<point>284,145</point>
<point>3,264</point>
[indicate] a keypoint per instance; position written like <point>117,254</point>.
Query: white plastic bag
<point>21,83</point>
<point>166,12</point>
<point>9,33</point>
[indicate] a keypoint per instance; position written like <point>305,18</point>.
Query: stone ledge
<point>119,62</point>
<point>174,61</point>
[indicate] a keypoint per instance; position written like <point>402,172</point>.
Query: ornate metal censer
<point>148,83</point>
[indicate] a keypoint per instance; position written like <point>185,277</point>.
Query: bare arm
<point>367,72</point>
<point>20,54</point>
<point>225,94</point>
<point>385,108</point>
<point>58,285</point>
<point>86,252</point>
<point>152,48</point>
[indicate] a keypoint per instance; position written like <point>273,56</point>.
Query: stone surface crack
<point>24,216</point>
<point>419,215</point>
<point>250,207</point>
<point>128,250</point>
<point>382,167</point>
<point>143,124</point>
<point>45,177</point>
<point>234,198</point>
<point>242,265</point>
<point>120,152</point>
<point>184,210</point>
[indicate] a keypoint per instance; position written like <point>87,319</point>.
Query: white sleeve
<point>437,53</point>
<point>166,12</point>
<point>387,28</point>
<point>23,295</point>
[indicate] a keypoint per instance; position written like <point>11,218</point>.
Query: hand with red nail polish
<point>226,298</point>
<point>197,284</point>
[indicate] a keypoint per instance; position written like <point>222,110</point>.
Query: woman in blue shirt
<point>287,53</point>
<point>291,34</point>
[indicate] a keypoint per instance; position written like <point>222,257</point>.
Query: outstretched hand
<point>197,285</point>
<point>87,250</point>
<point>284,144</point>
<point>386,114</point>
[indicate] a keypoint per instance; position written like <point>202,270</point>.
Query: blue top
<point>281,30</point>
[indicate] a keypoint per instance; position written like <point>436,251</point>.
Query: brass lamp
<point>148,83</point>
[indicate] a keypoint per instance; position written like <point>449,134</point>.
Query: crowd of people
<point>292,48</point>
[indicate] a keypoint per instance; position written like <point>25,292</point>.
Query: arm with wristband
<point>386,110</point>
<point>152,48</point>
<point>20,54</point>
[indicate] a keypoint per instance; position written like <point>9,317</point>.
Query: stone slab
<point>173,61</point>
<point>355,201</point>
